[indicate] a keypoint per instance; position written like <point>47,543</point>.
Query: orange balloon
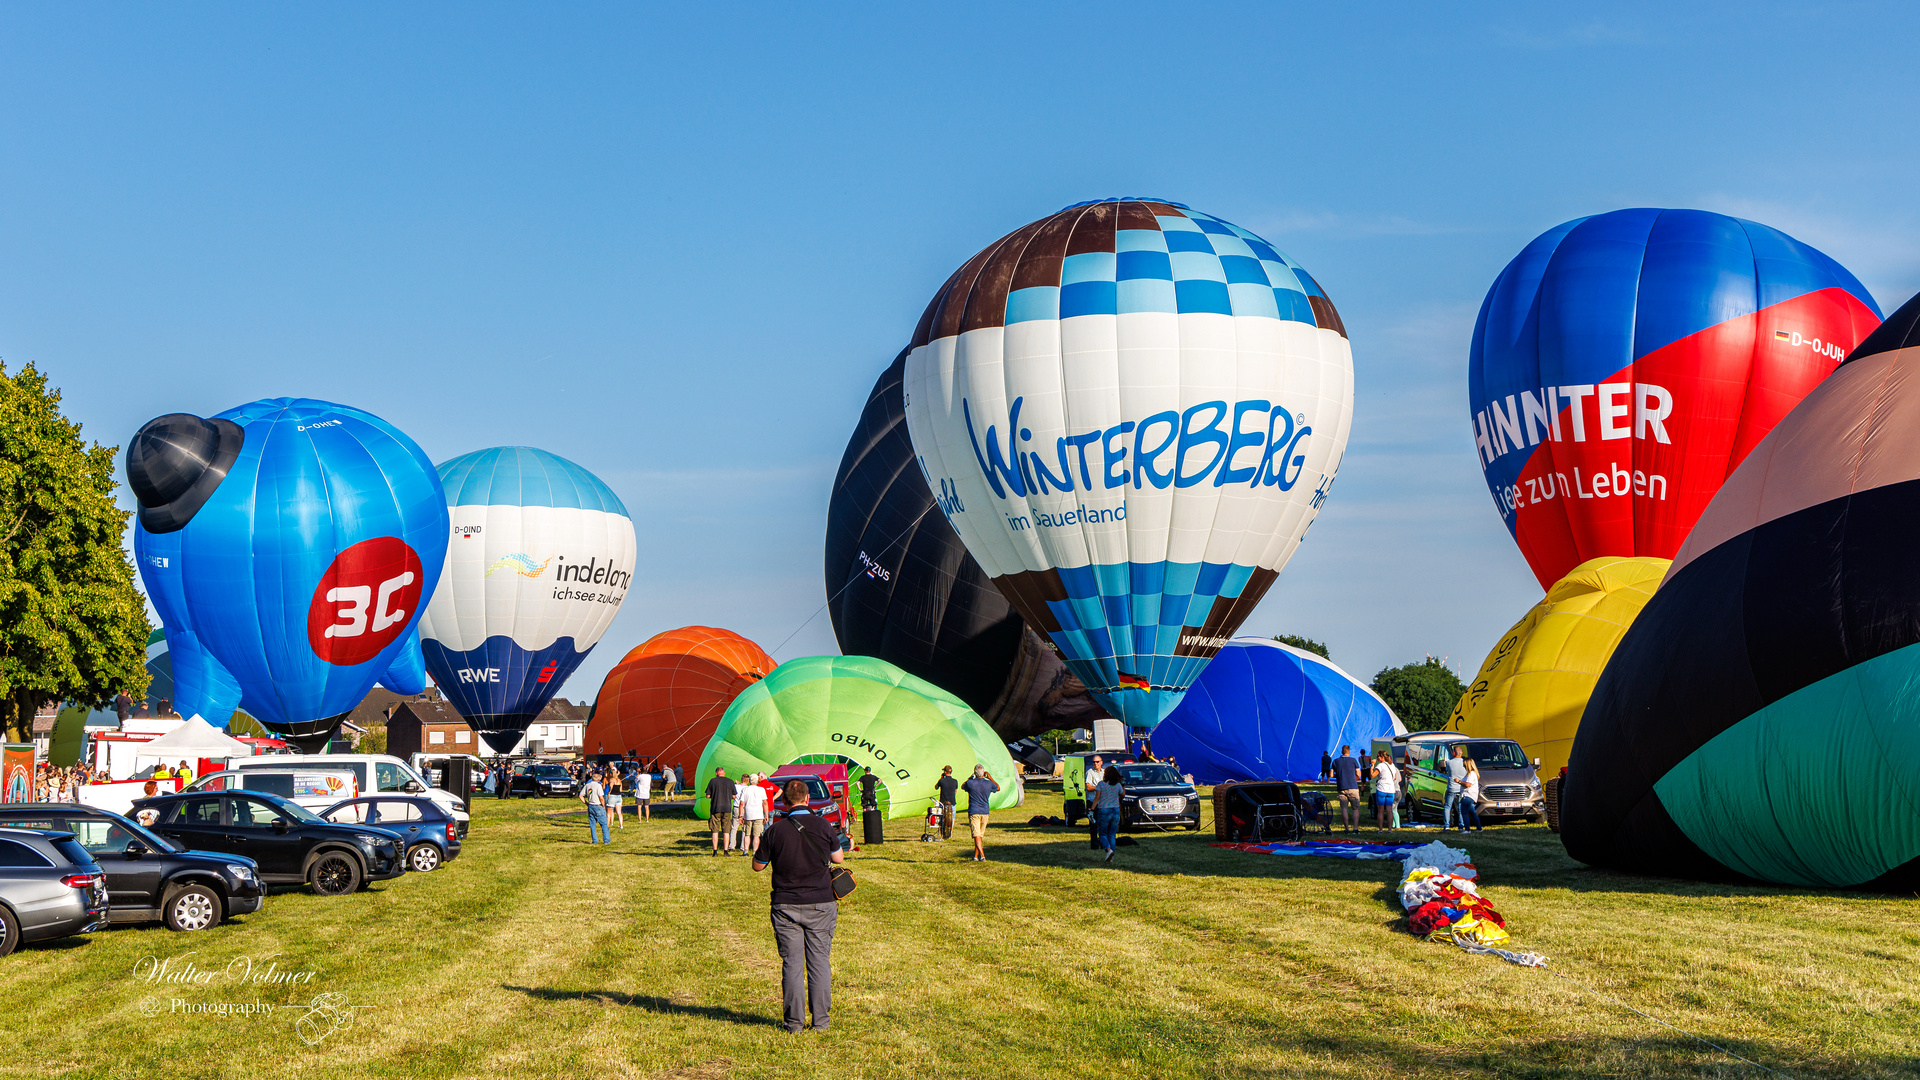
<point>665,697</point>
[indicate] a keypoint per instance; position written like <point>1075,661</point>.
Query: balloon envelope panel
<point>1266,711</point>
<point>864,712</point>
<point>296,581</point>
<point>666,696</point>
<point>1131,412</point>
<point>900,583</point>
<point>1758,720</point>
<point>1624,364</point>
<point>540,561</point>
<point>1535,683</point>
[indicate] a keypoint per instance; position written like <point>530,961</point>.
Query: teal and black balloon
<point>1761,718</point>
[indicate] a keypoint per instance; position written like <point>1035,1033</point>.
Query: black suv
<point>288,842</point>
<point>1153,794</point>
<point>149,879</point>
<point>542,779</point>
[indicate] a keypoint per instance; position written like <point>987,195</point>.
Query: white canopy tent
<point>191,741</point>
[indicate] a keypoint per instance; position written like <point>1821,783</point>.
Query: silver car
<point>49,887</point>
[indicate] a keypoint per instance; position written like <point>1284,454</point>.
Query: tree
<point>72,625</point>
<point>1422,695</point>
<point>1305,644</point>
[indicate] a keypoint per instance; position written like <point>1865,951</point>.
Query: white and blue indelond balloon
<point>1131,412</point>
<point>539,562</point>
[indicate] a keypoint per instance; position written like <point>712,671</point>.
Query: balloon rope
<point>855,576</point>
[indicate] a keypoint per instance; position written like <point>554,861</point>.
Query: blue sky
<point>678,245</point>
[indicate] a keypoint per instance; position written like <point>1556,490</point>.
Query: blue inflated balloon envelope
<point>1266,711</point>
<point>289,547</point>
<point>540,561</point>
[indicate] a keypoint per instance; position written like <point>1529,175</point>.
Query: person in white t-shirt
<point>753,811</point>
<point>643,793</point>
<point>1386,791</point>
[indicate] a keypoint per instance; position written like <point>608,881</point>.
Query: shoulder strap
<point>814,843</point>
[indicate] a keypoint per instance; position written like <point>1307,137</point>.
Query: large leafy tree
<point>72,625</point>
<point>1305,644</point>
<point>1422,695</point>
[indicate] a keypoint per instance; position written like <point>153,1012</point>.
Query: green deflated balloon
<point>864,712</point>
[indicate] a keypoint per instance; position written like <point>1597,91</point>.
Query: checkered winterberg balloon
<point>1131,411</point>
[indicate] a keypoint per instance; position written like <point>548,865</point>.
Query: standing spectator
<point>869,791</point>
<point>643,795</point>
<point>947,788</point>
<point>1386,791</point>
<point>184,775</point>
<point>1470,798</point>
<point>122,706</point>
<point>738,820</point>
<point>720,808</point>
<point>799,848</point>
<point>1456,784</point>
<point>1106,809</point>
<point>753,812</point>
<point>1096,771</point>
<point>1346,780</point>
<point>616,797</point>
<point>595,797</point>
<point>979,790</point>
<point>1326,765</point>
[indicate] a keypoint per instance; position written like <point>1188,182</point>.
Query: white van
<point>315,789</point>
<point>377,774</point>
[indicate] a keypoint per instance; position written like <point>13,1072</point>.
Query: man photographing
<point>799,847</point>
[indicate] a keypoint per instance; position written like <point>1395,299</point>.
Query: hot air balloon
<point>665,697</point>
<point>1624,364</point>
<point>1759,718</point>
<point>540,561</point>
<point>821,710</point>
<point>901,587</point>
<point>1534,685</point>
<point>1267,711</point>
<point>288,546</point>
<point>1131,412</point>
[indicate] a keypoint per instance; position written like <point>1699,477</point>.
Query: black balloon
<point>902,587</point>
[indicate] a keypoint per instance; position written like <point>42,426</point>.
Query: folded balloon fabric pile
<point>1439,888</point>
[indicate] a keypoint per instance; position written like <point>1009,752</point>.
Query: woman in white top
<point>1386,791</point>
<point>1470,799</point>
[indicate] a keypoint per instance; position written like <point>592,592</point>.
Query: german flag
<point>1133,682</point>
<point>1782,335</point>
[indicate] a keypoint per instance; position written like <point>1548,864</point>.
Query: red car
<point>826,790</point>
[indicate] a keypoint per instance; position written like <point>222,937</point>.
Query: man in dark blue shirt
<point>1346,780</point>
<point>979,791</point>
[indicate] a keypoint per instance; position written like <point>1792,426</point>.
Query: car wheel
<point>334,874</point>
<point>9,931</point>
<point>194,907</point>
<point>423,858</point>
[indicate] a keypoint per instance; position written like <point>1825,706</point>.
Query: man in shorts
<point>753,813</point>
<point>979,791</point>
<point>946,789</point>
<point>1346,780</point>
<point>720,808</point>
<point>643,793</point>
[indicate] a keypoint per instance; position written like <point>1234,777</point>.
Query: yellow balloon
<point>1535,683</point>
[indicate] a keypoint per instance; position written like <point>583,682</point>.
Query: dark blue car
<point>431,834</point>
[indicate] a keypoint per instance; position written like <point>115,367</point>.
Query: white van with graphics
<point>378,774</point>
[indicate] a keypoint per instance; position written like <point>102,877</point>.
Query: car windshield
<point>816,787</point>
<point>550,771</point>
<point>1497,755</point>
<point>1148,774</point>
<point>293,809</point>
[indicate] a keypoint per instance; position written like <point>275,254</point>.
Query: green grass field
<point>535,955</point>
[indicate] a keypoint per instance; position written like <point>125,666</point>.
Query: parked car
<point>541,779</point>
<point>1152,794</point>
<point>148,878</point>
<point>49,888</point>
<point>431,834</point>
<point>315,789</point>
<point>377,773</point>
<point>289,843</point>
<point>820,796</point>
<point>1509,786</point>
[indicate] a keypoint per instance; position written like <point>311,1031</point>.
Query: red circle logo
<point>364,601</point>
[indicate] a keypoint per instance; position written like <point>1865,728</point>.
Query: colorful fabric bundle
<point>1439,891</point>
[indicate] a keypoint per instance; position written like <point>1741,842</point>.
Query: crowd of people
<point>1390,789</point>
